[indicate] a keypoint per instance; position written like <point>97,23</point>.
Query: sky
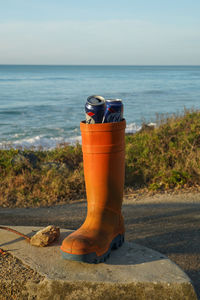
<point>107,32</point>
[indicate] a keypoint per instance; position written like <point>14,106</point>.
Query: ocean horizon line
<point>104,65</point>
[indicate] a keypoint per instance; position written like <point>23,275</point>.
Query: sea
<point>42,105</point>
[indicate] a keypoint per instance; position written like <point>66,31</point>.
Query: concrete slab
<point>132,272</point>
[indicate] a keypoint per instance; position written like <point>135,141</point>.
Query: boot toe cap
<point>78,244</point>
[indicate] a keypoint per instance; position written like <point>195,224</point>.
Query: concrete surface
<point>132,272</point>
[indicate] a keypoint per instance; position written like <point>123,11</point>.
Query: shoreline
<point>42,142</point>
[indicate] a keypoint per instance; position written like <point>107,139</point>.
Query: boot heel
<point>117,242</point>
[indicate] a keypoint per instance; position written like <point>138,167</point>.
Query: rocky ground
<point>167,223</point>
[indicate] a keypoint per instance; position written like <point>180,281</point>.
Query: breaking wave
<point>45,143</point>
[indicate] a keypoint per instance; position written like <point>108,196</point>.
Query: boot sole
<point>92,258</point>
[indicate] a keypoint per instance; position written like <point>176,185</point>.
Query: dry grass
<point>37,178</point>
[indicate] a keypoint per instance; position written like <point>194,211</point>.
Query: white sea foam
<point>40,141</point>
<point>50,143</point>
<point>152,124</point>
<point>132,128</point>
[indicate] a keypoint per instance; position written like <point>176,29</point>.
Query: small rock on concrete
<point>45,236</point>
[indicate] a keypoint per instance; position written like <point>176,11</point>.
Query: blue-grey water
<point>43,105</point>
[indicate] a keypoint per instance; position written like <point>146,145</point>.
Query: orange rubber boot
<point>103,148</point>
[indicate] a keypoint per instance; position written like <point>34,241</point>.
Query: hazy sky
<point>135,32</point>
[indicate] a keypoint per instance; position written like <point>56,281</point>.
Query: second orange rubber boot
<point>103,148</point>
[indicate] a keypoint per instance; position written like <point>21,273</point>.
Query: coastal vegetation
<point>163,158</point>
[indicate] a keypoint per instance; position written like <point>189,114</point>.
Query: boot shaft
<point>103,148</point>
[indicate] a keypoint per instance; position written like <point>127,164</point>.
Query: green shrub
<point>166,157</point>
